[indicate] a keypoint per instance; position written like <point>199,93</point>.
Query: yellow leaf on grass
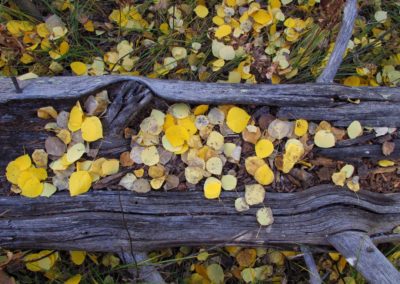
<point>352,81</point>
<point>92,129</point>
<point>75,118</point>
<point>77,256</point>
<point>264,148</point>
<point>222,31</point>
<point>76,279</point>
<point>201,11</point>
<point>262,17</point>
<point>215,273</point>
<point>89,26</point>
<point>79,182</point>
<point>212,188</point>
<point>26,58</point>
<point>79,68</point>
<point>237,119</point>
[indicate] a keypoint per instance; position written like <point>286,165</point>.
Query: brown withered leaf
<point>125,159</point>
<point>55,146</point>
<point>388,148</point>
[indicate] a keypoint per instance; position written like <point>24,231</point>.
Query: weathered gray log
<point>341,43</point>
<point>312,267</point>
<point>94,221</point>
<point>362,254</point>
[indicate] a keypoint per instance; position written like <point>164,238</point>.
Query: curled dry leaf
<point>141,185</point>
<point>241,205</point>
<point>354,130</point>
<point>324,139</point>
<point>279,129</point>
<point>55,147</point>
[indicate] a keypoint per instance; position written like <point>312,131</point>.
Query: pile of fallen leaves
<point>228,41</point>
<point>182,147</point>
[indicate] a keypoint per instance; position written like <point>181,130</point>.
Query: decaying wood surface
<point>361,253</point>
<point>94,221</point>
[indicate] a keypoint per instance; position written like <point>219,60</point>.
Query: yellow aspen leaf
<point>355,129</point>
<point>40,158</point>
<point>218,20</point>
<point>139,173</point>
<point>79,68</point>
<point>324,139</point>
<point>241,205</point>
<point>77,256</point>
<point>23,162</point>
<point>92,129</point>
<point>168,121</point>
<point>65,136</point>
<point>339,178</point>
<point>294,150</point>
<point>254,194</point>
<point>215,140</point>
<point>12,172</point>
<point>89,26</point>
<point>31,263</point>
<point>75,118</point>
<point>79,183</point>
<point>264,216</point>
<point>164,28</point>
<point>301,126</point>
<point>42,30</point>
<point>201,11</point>
<point>352,81</point>
<point>180,110</point>
<point>179,53</point>
<point>231,3</point>
<point>109,167</point>
<point>252,164</point>
<point>156,183</point>
<point>32,188</point>
<point>353,184</point>
<point>215,273</point>
<point>263,17</point>
<point>222,31</point>
<point>264,175</point>
<point>194,175</point>
<point>264,148</point>
<point>237,119</point>
<point>47,112</point>
<point>246,257</point>
<point>275,4</point>
<point>200,109</point>
<point>176,135</point>
<point>26,58</point>
<point>348,170</point>
<point>248,275</point>
<point>212,188</point>
<point>229,182</point>
<point>150,156</point>
<point>64,48</point>
<point>39,173</point>
<point>75,152</point>
<point>76,279</point>
<point>214,165</point>
<point>188,124</point>
<point>48,189</point>
<point>385,163</point>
